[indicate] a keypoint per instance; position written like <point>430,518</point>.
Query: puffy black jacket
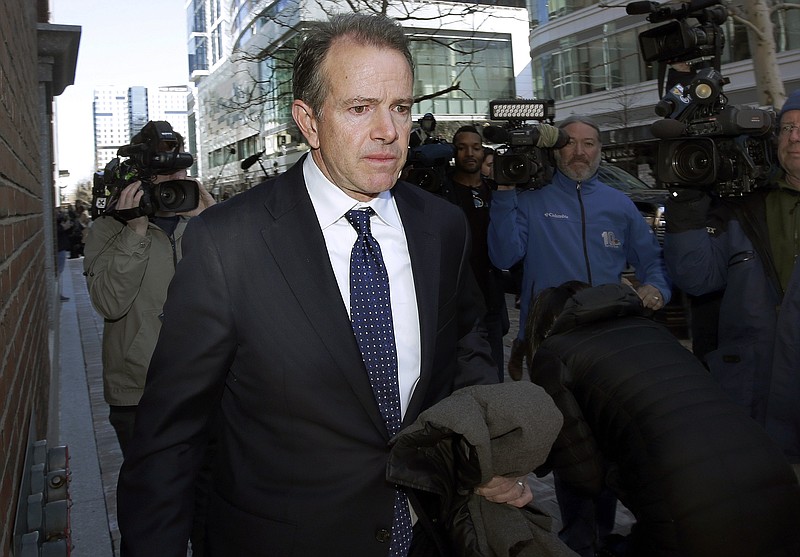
<point>642,415</point>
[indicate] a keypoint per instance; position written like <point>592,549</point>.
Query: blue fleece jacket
<point>572,230</point>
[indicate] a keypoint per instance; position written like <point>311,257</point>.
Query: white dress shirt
<point>331,204</point>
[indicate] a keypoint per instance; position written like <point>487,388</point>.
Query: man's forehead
<point>792,116</point>
<point>467,137</point>
<point>581,130</point>
<point>356,59</point>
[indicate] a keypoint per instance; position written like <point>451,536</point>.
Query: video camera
<point>678,41</point>
<point>428,156</point>
<point>706,143</point>
<point>524,157</point>
<point>154,151</point>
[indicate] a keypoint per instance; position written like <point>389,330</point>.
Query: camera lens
<point>176,195</point>
<point>170,196</point>
<point>513,169</point>
<point>693,162</point>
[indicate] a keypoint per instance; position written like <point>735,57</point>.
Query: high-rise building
<point>114,110</point>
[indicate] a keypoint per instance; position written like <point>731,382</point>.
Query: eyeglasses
<point>787,129</point>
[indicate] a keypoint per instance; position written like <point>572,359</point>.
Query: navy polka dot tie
<point>371,316</point>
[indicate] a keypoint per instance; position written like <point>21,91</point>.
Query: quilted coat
<point>643,416</point>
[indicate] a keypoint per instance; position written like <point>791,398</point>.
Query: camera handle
<point>124,215</point>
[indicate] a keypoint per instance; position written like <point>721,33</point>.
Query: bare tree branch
<point>455,87</point>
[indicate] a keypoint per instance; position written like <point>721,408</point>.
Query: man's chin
<point>577,176</point>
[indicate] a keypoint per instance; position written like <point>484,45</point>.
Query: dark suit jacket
<point>257,340</point>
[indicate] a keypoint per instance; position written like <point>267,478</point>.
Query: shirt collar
<point>331,203</point>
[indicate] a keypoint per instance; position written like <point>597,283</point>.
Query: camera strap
<point>124,215</point>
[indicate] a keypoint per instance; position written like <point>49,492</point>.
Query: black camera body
<point>524,158</point>
<point>730,152</point>
<point>153,151</point>
<point>521,162</point>
<point>678,40</point>
<point>706,143</point>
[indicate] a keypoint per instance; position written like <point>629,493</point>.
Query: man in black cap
<point>748,246</point>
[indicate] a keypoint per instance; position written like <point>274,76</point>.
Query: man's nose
<point>384,128</point>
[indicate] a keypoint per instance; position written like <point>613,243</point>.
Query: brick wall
<point>24,284</point>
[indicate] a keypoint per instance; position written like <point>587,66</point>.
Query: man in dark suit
<point>257,342</point>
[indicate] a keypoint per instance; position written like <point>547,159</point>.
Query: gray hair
<point>309,84</point>
<point>583,120</point>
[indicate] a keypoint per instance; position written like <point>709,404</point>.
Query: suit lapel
<point>424,246</point>
<point>293,237</point>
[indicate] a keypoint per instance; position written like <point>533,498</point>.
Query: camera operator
<point>128,267</point>
<point>748,246</point>
<point>470,190</point>
<point>575,228</point>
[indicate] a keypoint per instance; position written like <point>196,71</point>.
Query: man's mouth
<point>381,158</point>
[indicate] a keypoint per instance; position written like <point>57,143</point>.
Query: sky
<point>123,43</point>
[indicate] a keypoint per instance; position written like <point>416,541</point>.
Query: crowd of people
<point>262,355</point>
<point>73,227</point>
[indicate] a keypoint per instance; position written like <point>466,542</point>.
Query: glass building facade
<point>481,65</point>
<point>604,53</point>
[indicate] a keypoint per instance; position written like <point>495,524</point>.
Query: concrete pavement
<point>95,457</point>
<point>94,454</point>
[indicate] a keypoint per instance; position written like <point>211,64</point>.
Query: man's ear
<point>307,122</point>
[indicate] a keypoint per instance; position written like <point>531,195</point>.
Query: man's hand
<point>651,297</point>
<point>206,201</point>
<point>512,491</point>
<point>129,198</point>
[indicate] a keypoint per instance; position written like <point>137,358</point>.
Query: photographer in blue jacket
<point>575,228</point>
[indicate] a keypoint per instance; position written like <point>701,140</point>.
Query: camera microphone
<point>667,128</point>
<point>544,136</point>
<point>251,160</point>
<point>551,137</point>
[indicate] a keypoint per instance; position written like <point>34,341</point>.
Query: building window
<point>482,67</point>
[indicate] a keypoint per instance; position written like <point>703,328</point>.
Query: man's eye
<point>402,109</point>
<point>361,109</point>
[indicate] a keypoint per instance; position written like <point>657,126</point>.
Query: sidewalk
<point>95,456</point>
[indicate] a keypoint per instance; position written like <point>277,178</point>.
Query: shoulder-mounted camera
<point>706,143</point>
<point>155,150</point>
<point>524,157</point>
